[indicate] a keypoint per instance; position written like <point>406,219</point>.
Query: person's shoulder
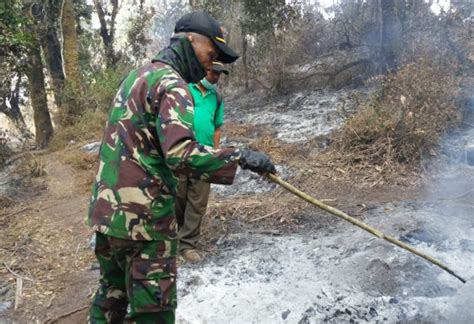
<point>167,77</point>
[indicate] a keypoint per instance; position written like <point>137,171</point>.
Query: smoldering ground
<point>337,272</point>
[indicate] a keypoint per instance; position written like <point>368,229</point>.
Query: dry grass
<point>78,159</point>
<point>87,127</point>
<point>403,126</point>
<point>85,165</point>
<point>36,168</point>
<point>280,152</point>
<point>93,104</point>
<point>265,141</point>
<point>237,130</point>
<point>266,213</point>
<point>68,141</point>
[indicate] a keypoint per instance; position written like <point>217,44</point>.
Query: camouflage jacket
<point>147,141</point>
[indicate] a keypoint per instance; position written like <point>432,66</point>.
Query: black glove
<point>256,161</point>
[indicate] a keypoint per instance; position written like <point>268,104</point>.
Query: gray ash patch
<point>7,295</point>
<point>301,116</point>
<point>247,182</point>
<point>339,274</point>
<point>93,147</point>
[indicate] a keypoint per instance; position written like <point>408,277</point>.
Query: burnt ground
<point>269,257</point>
<point>328,270</point>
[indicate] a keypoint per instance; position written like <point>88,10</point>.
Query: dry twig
<point>74,311</point>
<point>16,274</point>
<point>17,211</point>
<point>262,217</point>
<point>18,291</point>
<point>19,285</point>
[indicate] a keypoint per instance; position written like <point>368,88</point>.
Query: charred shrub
<point>403,124</point>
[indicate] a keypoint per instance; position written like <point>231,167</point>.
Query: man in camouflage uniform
<point>147,141</point>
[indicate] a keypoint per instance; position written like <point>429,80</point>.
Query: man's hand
<point>256,161</point>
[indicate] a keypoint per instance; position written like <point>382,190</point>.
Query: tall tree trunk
<point>71,53</point>
<point>391,34</point>
<point>51,47</point>
<point>52,53</point>
<point>71,61</point>
<point>43,125</point>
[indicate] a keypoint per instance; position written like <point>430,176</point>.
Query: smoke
<point>452,191</point>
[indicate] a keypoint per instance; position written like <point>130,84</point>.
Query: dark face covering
<point>181,56</point>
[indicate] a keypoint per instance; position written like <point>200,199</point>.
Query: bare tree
<point>107,31</point>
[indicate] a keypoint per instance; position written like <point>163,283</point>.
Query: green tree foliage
<point>14,43</point>
<point>14,37</point>
<point>269,23</point>
<point>269,16</point>
<point>138,34</point>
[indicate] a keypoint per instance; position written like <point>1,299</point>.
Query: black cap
<point>204,24</point>
<point>219,67</point>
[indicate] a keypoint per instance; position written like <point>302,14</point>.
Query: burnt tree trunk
<point>42,120</point>
<point>391,34</point>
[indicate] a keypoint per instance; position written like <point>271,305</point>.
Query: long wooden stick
<point>360,224</point>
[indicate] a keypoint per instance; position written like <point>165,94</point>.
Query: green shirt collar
<point>196,86</point>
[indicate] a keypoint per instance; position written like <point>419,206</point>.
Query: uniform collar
<point>181,56</point>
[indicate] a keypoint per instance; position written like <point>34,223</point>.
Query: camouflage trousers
<point>139,273</point>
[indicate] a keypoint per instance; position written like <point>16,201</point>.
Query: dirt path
<point>46,242</point>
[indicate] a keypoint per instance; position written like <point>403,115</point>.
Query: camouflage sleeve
<point>183,154</point>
